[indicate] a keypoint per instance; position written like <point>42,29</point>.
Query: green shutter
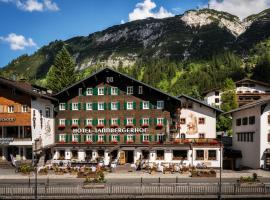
<point>109,105</point>
<point>150,137</point>
<point>66,138</point>
<point>118,91</point>
<point>79,139</point>
<point>125,138</point>
<point>84,92</point>
<point>105,122</point>
<point>105,90</point>
<point>105,106</point>
<point>110,138</point>
<point>118,121</point>
<point>125,121</point>
<point>79,122</point>
<point>94,105</point>
<point>134,104</point>
<point>125,105</point>
<point>118,138</point>
<point>95,91</point>
<point>155,122</point>
<point>134,121</point>
<point>150,121</point>
<point>70,106</point>
<point>66,122</point>
<point>118,105</point>
<point>141,121</point>
<point>79,106</point>
<point>141,105</point>
<point>134,138</point>
<point>66,106</point>
<point>141,137</point>
<point>84,106</point>
<point>156,138</point>
<point>84,137</point>
<point>109,91</point>
<point>104,138</point>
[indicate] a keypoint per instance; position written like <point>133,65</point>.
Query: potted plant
<point>62,126</point>
<point>145,142</point>
<point>96,182</point>
<point>159,126</point>
<point>74,126</point>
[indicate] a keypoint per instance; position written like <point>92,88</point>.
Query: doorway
<point>129,156</point>
<point>12,150</point>
<point>88,155</point>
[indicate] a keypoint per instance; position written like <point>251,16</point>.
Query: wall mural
<point>192,125</point>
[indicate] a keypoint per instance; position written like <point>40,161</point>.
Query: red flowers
<point>61,126</point>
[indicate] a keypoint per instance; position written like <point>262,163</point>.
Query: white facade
<point>42,121</point>
<point>252,147</point>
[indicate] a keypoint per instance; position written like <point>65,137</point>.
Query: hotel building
<point>16,99</point>
<point>251,134</point>
<point>247,91</point>
<point>112,116</point>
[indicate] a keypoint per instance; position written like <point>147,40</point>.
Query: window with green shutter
<point>141,105</point>
<point>66,138</point>
<point>118,121</point>
<point>118,138</point>
<point>109,105</point>
<point>155,121</point>
<point>105,90</point>
<point>110,138</point>
<point>125,138</point>
<point>95,91</point>
<point>134,121</point>
<point>118,91</point>
<point>104,138</point>
<point>84,106</point>
<point>125,122</point>
<point>134,138</point>
<point>125,105</point>
<point>105,106</point>
<point>109,91</point>
<point>134,104</point>
<point>70,106</point>
<point>66,106</point>
<point>141,137</point>
<point>118,105</point>
<point>150,137</point>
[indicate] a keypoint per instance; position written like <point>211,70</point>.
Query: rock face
<point>197,34</point>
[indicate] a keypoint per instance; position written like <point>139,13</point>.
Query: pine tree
<point>228,97</point>
<point>62,73</point>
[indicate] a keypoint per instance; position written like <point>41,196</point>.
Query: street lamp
<point>35,166</point>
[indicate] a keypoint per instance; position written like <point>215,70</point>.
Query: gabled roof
<point>135,80</point>
<point>200,102</point>
<point>240,81</point>
<point>24,87</point>
<point>250,105</point>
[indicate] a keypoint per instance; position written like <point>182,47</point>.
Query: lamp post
<point>220,165</point>
<point>35,166</point>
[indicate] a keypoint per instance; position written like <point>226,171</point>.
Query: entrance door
<point>122,158</point>
<point>129,156</point>
<point>88,155</point>
<point>12,150</point>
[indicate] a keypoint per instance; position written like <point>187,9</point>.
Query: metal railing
<point>140,189</point>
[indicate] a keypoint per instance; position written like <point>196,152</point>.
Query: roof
<point>250,105</point>
<point>24,87</point>
<point>200,102</point>
<point>240,81</point>
<point>135,80</point>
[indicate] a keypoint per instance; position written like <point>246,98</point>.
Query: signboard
<point>6,140</point>
<point>7,119</point>
<point>110,130</point>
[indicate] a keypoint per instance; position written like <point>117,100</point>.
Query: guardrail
<point>133,190</point>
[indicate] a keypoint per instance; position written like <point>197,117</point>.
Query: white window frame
<point>130,120</point>
<point>114,138</point>
<point>99,104</point>
<point>145,121</point>
<point>75,106</point>
<point>24,108</point>
<point>80,92</point>
<point>114,91</point>
<point>75,137</point>
<point>62,137</point>
<point>129,89</point>
<point>101,121</point>
<point>140,90</point>
<point>146,137</point>
<point>62,106</point>
<point>160,120</point>
<point>130,105</point>
<point>160,104</point>
<point>62,122</point>
<point>89,91</point>
<point>146,105</point>
<point>75,121</point>
<point>116,106</point>
<point>89,138</point>
<point>87,107</point>
<point>114,121</point>
<point>47,107</point>
<point>100,91</point>
<point>100,138</point>
<point>130,138</point>
<point>11,109</point>
<point>89,121</point>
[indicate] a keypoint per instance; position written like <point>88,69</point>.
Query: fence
<point>103,190</point>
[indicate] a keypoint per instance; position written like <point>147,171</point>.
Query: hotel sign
<point>110,130</point>
<point>6,140</point>
<point>7,119</point>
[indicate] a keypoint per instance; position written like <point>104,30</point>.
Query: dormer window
<point>130,90</point>
<point>89,91</point>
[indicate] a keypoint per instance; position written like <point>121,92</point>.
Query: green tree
<point>261,71</point>
<point>62,73</point>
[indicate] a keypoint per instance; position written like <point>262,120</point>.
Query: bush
<point>25,168</point>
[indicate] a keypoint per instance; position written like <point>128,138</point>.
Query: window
<point>101,121</point>
<point>145,105</point>
<point>62,137</point>
<point>216,100</point>
<point>183,135</point>
<point>140,91</point>
<point>129,105</point>
<point>10,109</point>
<point>245,121</point>
<point>75,121</point>
<point>62,122</point>
<point>160,154</point>
<point>75,106</point>
<point>268,139</point>
<point>199,154</point>
<point>216,93</point>
<point>89,91</point>
<point>245,137</point>
<point>268,119</point>
<point>160,104</point>
<point>100,105</point>
<point>114,138</point>
<point>251,120</point>
<point>130,90</point>
<point>89,121</point>
<point>160,138</point>
<point>238,122</point>
<point>47,112</point>
<point>88,138</point>
<point>114,90</point>
<point>89,106</point>
<point>182,120</point>
<point>24,108</point>
<point>75,138</point>
<point>100,138</point>
<point>80,92</point>
<point>129,121</point>
<point>201,120</point>
<point>190,104</point>
<point>145,121</point>
<point>179,154</point>
<point>62,106</point>
<point>212,154</point>
<point>114,106</point>
<point>160,121</point>
<point>114,121</point>
<point>101,91</point>
<point>146,137</point>
<point>201,135</point>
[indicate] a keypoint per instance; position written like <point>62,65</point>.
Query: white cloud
<point>122,21</point>
<point>34,5</point>
<point>144,10</point>
<point>18,42</point>
<point>241,8</point>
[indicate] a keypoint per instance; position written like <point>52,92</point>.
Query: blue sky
<point>27,25</point>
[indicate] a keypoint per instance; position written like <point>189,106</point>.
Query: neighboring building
<point>251,133</point>
<point>247,91</point>
<point>15,118</point>
<point>112,116</point>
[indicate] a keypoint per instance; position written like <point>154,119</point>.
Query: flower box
<point>74,126</point>
<point>130,142</point>
<point>129,125</point>
<point>146,142</point>
<point>88,142</point>
<point>100,126</point>
<point>213,142</point>
<point>114,142</point>
<point>88,126</point>
<point>61,126</point>
<point>145,125</point>
<point>74,142</point>
<point>100,142</point>
<point>159,126</point>
<point>176,141</point>
<point>114,125</point>
<point>62,142</point>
